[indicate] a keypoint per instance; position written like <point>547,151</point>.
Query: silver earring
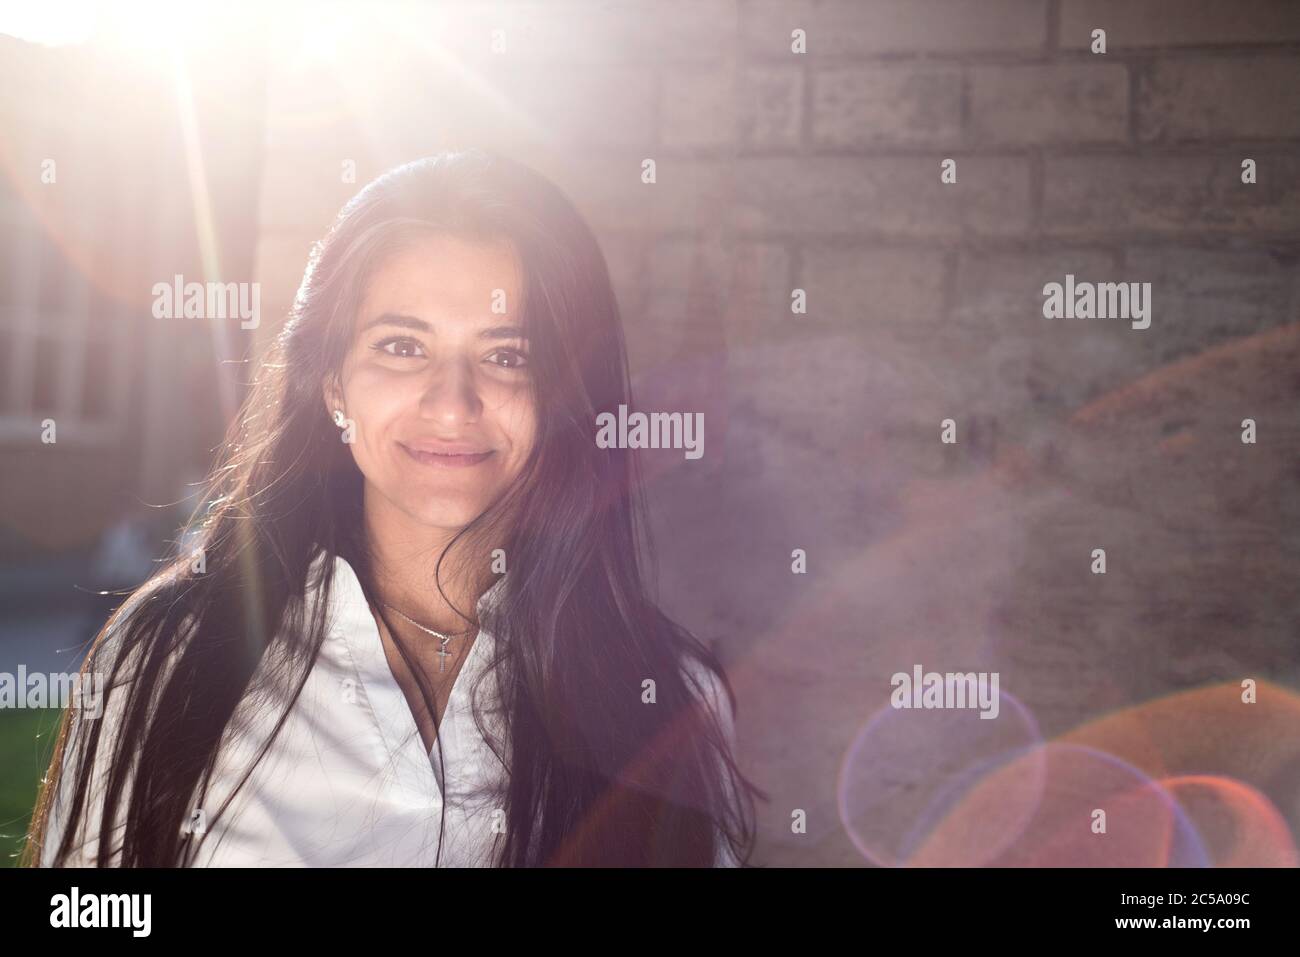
<point>339,420</point>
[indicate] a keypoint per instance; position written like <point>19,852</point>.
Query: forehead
<point>445,279</point>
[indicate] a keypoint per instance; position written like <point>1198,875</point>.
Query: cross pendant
<point>443,655</point>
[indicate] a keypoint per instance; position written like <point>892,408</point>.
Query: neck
<point>404,554</point>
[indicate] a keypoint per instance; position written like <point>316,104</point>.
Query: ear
<point>332,394</point>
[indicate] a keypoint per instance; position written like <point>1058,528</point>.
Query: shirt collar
<point>346,590</point>
<point>352,621</point>
<point>492,597</point>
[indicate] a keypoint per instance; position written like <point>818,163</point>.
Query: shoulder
<point>94,719</point>
<point>91,720</point>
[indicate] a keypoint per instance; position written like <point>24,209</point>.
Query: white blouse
<point>347,781</point>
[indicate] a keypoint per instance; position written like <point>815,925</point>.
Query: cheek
<point>375,402</point>
<point>519,421</point>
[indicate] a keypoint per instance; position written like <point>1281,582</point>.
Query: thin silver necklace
<point>442,652</point>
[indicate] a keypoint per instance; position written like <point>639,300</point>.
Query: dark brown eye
<point>518,360</point>
<point>402,347</point>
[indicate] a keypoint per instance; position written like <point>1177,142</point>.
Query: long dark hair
<point>596,776</point>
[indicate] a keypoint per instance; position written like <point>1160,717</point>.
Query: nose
<point>450,397</point>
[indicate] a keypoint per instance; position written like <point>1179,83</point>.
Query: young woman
<point>412,628</point>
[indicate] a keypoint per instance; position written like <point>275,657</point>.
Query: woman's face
<point>436,383</point>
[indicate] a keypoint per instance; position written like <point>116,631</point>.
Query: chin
<point>444,515</point>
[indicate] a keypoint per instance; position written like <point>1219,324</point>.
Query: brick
<point>1034,104</point>
<point>1165,23</point>
<point>650,344</point>
<point>771,106</point>
<point>607,189</point>
<point>1035,367</point>
<point>771,384</point>
<point>679,305</point>
<point>698,107</point>
<point>746,283</point>
<point>1108,195</point>
<point>761,286</point>
<point>875,286</point>
<point>1220,98</point>
<point>999,363</point>
<point>609,108</point>
<point>889,105</point>
<point>883,196</point>
<point>911,381</point>
<point>1029,379</point>
<point>625,259</point>
<point>992,285</point>
<point>1202,297</point>
<point>852,28</point>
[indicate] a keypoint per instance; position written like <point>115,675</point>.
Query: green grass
<point>26,740</point>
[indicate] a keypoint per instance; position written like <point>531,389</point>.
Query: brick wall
<point>821,171</point>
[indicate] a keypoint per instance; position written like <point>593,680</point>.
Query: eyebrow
<point>411,322</point>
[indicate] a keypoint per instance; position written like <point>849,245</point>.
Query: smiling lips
<point>447,455</point>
